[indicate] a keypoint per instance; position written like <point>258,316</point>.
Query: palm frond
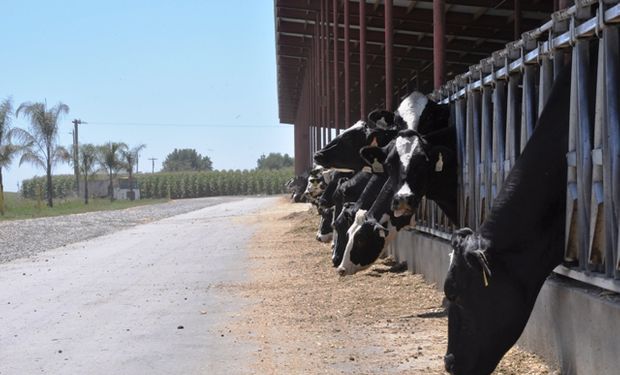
<point>32,158</point>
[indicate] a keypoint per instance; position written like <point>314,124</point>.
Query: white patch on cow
<point>328,175</point>
<point>360,216</point>
<point>405,147</point>
<point>358,125</point>
<point>347,267</point>
<point>324,237</point>
<point>404,190</point>
<point>411,108</point>
<point>451,258</point>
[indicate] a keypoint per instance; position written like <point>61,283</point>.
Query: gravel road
<point>24,238</point>
<point>149,299</point>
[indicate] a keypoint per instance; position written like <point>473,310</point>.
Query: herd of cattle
<point>371,178</point>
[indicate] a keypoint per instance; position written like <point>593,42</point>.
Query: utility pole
<point>152,164</point>
<point>76,165</point>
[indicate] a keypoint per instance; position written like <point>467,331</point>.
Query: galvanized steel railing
<point>495,107</point>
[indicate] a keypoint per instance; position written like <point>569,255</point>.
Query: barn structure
<point>494,62</point>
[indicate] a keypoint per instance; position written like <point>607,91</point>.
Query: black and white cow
<point>343,151</point>
<point>417,165</point>
<point>296,187</point>
<point>345,219</point>
<point>496,274</point>
<point>326,203</point>
<point>422,166</point>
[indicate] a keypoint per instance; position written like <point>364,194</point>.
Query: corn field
<point>180,184</point>
<point>62,186</point>
<point>205,184</point>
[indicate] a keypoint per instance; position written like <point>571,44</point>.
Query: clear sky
<point>170,74</point>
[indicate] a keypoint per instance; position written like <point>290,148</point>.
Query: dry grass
<point>307,320</point>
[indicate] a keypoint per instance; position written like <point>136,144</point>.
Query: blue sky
<point>170,74</point>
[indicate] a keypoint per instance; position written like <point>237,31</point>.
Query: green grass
<point>16,207</point>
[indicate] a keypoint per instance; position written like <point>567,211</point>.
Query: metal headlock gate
<point>495,107</point>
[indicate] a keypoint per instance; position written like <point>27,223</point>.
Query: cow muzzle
<point>448,361</point>
<point>401,205</point>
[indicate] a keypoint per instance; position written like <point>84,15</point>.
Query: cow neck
<point>382,204</point>
<point>529,212</point>
<point>328,194</point>
<point>371,191</point>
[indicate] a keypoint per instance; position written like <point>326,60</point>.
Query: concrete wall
<point>573,326</point>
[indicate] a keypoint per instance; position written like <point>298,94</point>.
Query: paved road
<point>115,304</point>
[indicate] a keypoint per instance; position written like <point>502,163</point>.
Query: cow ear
<point>369,154</point>
<point>381,119</point>
<point>478,258</point>
<point>459,236</point>
<point>381,230</point>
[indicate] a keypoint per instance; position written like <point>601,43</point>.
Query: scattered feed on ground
<point>304,319</point>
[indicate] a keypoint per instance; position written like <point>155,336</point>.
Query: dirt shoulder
<point>307,320</point>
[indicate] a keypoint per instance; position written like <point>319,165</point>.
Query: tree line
<point>38,145</point>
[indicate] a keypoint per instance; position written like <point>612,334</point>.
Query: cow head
<point>341,225</point>
<point>424,169</point>
<point>487,309</point>
<point>343,151</point>
<point>367,239</point>
<point>417,112</point>
<point>324,234</point>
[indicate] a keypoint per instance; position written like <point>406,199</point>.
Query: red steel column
<point>327,133</point>
<point>439,42</point>
<point>336,81</point>
<point>322,74</point>
<point>389,45</point>
<point>347,82</point>
<point>362,60</point>
<point>517,11</point>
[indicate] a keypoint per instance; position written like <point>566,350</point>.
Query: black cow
<point>496,274</point>
<point>343,151</point>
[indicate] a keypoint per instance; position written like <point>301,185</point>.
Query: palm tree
<point>130,157</point>
<point>110,157</point>
<point>43,150</point>
<point>8,150</point>
<point>88,160</point>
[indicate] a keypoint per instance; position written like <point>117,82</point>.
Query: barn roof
<point>474,29</point>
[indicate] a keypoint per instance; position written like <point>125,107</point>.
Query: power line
<point>185,125</point>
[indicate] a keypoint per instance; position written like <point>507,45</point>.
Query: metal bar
<point>611,153</point>
<point>517,15</point>
<point>486,152</point>
<point>512,119</point>
<point>439,37</point>
<point>362,16</point>
<point>336,80</point>
<point>347,57</point>
<point>499,135</point>
<point>586,29</point>
<point>460,122</point>
<point>545,82</point>
<point>327,134</point>
<point>528,107</point>
<point>389,49</point>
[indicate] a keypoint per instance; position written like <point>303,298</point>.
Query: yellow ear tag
<point>377,167</point>
<point>439,164</point>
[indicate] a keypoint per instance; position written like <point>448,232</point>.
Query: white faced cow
<point>416,167</point>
